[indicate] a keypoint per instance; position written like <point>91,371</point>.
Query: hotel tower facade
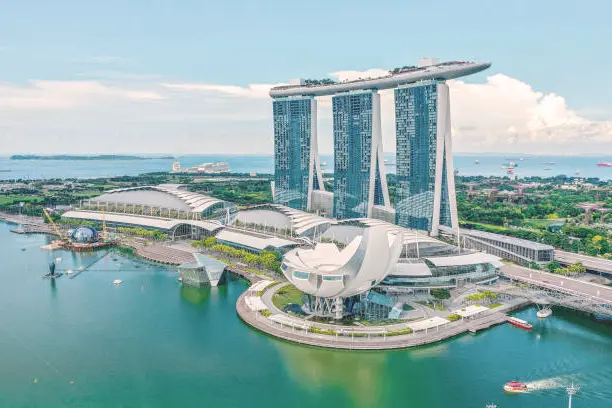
<point>425,195</point>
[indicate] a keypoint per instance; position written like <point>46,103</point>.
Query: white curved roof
<point>140,220</point>
<point>253,241</point>
<point>473,258</point>
<point>301,221</point>
<point>445,70</point>
<point>410,236</point>
<point>163,195</point>
<point>327,272</point>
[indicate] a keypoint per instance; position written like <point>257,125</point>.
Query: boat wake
<point>549,383</point>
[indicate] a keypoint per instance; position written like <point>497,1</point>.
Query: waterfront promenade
<point>395,336</point>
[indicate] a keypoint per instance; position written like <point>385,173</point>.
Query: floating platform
<point>77,247</point>
<point>544,313</point>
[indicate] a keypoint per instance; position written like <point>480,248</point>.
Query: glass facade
<point>292,151</point>
<point>448,276</point>
<point>416,125</point>
<point>352,127</point>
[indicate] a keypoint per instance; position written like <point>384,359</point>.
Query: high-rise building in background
<point>359,177</point>
<point>296,154</point>
<point>425,194</point>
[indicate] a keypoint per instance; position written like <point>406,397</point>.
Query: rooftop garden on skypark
<point>317,82</point>
<point>405,68</point>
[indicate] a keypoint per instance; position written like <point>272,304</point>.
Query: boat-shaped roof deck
<point>441,71</point>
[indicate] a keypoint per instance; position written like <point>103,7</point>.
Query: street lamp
<point>571,390</point>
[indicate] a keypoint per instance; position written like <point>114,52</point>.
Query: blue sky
<point>555,47</point>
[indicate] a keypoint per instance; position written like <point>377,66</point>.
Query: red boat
<point>515,387</point>
<point>520,323</point>
<point>604,164</point>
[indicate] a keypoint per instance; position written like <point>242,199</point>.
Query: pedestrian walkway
<point>401,335</point>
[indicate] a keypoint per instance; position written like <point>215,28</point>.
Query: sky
<point>192,77</point>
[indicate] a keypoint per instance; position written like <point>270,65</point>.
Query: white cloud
<point>253,91</point>
<point>505,111</point>
<point>66,95</point>
<point>501,115</point>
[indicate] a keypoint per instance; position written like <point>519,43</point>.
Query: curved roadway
<point>590,262</point>
<point>597,293</point>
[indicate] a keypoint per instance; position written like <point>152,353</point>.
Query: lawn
<point>11,199</point>
<point>286,295</point>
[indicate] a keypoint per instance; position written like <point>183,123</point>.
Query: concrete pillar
<point>339,308</point>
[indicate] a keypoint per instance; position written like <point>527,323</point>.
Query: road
<point>590,262</point>
<point>598,293</point>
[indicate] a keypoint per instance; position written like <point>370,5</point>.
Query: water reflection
<point>53,288</point>
<point>359,373</point>
<point>195,295</point>
<point>435,350</point>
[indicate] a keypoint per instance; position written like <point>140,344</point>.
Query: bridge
<point>548,288</point>
<point>592,263</point>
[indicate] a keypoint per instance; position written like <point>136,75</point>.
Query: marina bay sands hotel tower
<point>425,194</point>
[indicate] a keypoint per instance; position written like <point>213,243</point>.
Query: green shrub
<point>318,330</point>
<point>401,332</point>
<point>453,317</point>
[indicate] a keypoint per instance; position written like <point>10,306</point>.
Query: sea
<point>466,165</point>
<point>84,342</point>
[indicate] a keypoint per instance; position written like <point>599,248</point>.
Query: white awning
<point>290,321</point>
<point>471,311</point>
<point>255,304</point>
<point>466,259</point>
<point>428,323</point>
<point>261,285</point>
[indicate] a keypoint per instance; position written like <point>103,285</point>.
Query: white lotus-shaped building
<point>326,272</point>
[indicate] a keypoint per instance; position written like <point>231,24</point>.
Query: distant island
<point>79,157</point>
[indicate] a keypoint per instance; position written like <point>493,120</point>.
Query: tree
<point>441,293</point>
<point>210,242</point>
<point>551,266</point>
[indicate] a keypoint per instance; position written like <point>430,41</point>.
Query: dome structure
<point>84,234</point>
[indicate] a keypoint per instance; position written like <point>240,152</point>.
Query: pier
<point>34,229</point>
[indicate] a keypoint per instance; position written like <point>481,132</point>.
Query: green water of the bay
<point>149,342</point>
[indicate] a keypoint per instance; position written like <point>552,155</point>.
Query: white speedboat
<point>69,271</point>
<point>117,282</point>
